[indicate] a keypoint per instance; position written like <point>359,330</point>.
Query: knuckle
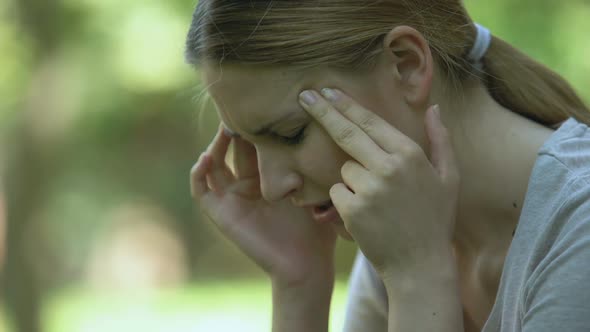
<point>345,105</point>
<point>373,186</point>
<point>322,110</point>
<point>409,151</point>
<point>347,171</point>
<point>412,155</point>
<point>356,208</point>
<point>345,135</point>
<point>368,122</point>
<point>389,166</point>
<point>193,170</point>
<point>195,167</point>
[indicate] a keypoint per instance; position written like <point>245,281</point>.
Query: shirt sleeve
<point>557,294</point>
<point>366,308</point>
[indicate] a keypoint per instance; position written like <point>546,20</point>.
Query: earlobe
<point>412,64</point>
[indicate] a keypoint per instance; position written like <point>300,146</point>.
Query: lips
<point>325,213</point>
<point>323,207</point>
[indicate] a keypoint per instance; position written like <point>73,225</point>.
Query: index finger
<point>245,159</point>
<point>382,132</point>
<point>350,137</point>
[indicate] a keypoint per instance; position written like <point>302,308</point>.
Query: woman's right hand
<point>281,238</point>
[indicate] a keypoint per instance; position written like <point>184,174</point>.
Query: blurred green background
<point>99,128</point>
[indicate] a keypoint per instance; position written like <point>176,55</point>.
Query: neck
<point>496,150</point>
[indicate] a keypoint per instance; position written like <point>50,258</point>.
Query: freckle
<point>434,314</point>
<point>514,205</point>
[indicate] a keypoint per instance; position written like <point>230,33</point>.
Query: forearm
<point>427,300</point>
<point>302,307</point>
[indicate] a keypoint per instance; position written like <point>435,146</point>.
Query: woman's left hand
<point>398,204</point>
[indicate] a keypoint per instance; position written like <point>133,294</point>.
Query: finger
<point>220,175</point>
<point>352,139</point>
<point>198,179</point>
<point>356,177</point>
<point>341,197</point>
<point>218,147</point>
<point>248,188</point>
<point>245,162</point>
<point>382,132</point>
<point>442,155</point>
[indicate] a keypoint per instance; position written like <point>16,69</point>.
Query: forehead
<point>245,96</point>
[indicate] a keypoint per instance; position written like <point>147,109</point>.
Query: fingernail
<point>308,97</point>
<point>330,94</point>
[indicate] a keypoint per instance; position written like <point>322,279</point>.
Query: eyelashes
<point>294,139</point>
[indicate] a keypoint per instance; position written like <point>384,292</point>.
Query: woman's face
<point>297,159</point>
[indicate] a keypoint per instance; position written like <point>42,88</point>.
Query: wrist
<point>319,280</point>
<point>438,268</point>
<point>302,306</point>
<point>429,295</point>
<point>306,276</point>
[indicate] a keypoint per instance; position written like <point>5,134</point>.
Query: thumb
<point>442,155</point>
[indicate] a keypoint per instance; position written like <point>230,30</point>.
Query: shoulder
<point>560,179</point>
<point>569,146</point>
<point>556,291</point>
<point>557,233</point>
<point>557,203</point>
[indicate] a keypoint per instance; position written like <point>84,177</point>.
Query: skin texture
<point>494,150</point>
<point>296,172</point>
<point>381,201</point>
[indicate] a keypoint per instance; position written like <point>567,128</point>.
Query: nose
<point>278,179</point>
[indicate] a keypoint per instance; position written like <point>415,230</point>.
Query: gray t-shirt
<point>545,283</point>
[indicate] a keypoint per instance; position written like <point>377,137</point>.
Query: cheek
<point>410,123</point>
<point>390,105</point>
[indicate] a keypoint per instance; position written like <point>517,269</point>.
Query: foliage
<point>98,110</point>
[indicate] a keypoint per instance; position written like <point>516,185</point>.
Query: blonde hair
<point>347,35</point>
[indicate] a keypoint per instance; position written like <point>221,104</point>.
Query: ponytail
<point>529,88</point>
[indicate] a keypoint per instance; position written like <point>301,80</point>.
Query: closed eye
<point>295,139</point>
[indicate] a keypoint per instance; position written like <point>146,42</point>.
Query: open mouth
<point>325,213</point>
<point>324,207</point>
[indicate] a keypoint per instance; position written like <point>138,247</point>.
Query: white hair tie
<point>480,46</point>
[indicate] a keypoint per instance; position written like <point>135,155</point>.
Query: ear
<point>411,63</point>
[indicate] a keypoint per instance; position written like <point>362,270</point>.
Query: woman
<point>329,108</point>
